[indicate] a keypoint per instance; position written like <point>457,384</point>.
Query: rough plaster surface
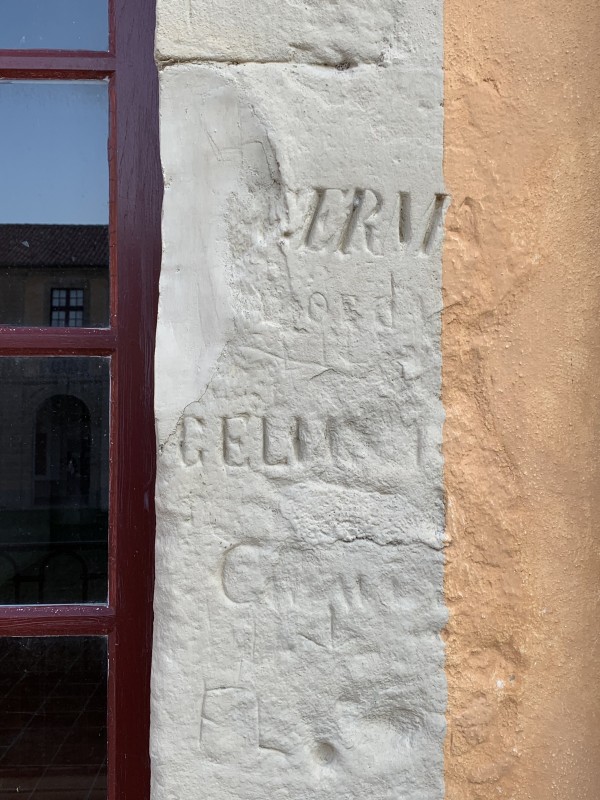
<point>299,497</point>
<point>313,31</point>
<point>521,353</point>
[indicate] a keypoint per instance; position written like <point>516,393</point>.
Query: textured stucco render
<point>521,352</point>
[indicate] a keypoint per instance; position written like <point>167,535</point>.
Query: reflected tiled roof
<point>53,245</point>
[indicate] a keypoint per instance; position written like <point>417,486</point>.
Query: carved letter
<point>191,440</point>
<point>234,441</point>
<point>298,440</point>
<point>317,306</point>
<point>350,308</point>
<point>328,220</point>
<point>361,231</point>
<point>404,231</point>
<point>385,307</point>
<point>434,224</point>
<point>268,456</point>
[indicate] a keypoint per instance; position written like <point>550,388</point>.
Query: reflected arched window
<point>79,146</point>
<point>62,452</point>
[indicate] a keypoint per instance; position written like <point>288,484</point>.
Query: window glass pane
<point>53,717</point>
<point>54,449</point>
<point>54,24</point>
<point>54,201</point>
<point>67,308</point>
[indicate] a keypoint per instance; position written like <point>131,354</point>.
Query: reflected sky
<point>54,24</point>
<point>54,150</point>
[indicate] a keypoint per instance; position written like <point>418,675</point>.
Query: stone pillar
<point>299,496</point>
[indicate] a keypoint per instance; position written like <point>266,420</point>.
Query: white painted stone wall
<point>299,600</point>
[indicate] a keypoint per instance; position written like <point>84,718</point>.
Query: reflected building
<point>54,471</point>
<point>54,409</point>
<point>54,433</point>
<point>54,275</point>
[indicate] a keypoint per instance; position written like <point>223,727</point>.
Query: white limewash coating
<point>299,562</point>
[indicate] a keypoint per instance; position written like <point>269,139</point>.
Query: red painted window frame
<point>135,207</point>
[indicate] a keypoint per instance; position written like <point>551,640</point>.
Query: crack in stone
<point>169,438</point>
<point>338,66</point>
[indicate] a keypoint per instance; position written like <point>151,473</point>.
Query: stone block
<point>299,496</point>
<point>316,31</point>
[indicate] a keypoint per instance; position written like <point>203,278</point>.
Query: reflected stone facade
<point>53,479</point>
<point>38,262</point>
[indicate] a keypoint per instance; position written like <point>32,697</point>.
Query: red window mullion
<point>57,341</point>
<point>39,64</point>
<point>86,620</point>
<point>134,224</point>
<point>136,221</point>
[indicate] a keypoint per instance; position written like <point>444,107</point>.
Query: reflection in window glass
<point>67,308</point>
<point>53,717</point>
<point>54,441</point>
<point>54,202</point>
<point>54,24</point>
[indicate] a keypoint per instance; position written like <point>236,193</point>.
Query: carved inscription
<point>359,220</point>
<point>228,722</point>
<point>282,443</point>
<point>191,442</point>
<point>434,223</point>
<point>383,310</point>
<point>234,440</point>
<point>325,613</point>
<point>246,438</point>
<point>344,220</point>
<point>317,306</point>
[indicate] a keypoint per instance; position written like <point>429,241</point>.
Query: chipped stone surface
<point>313,31</point>
<point>299,497</point>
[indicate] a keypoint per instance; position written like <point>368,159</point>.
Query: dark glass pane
<point>54,248</point>
<point>53,718</point>
<point>54,439</point>
<point>53,24</point>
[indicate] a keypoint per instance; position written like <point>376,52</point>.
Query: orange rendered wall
<point>521,354</point>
